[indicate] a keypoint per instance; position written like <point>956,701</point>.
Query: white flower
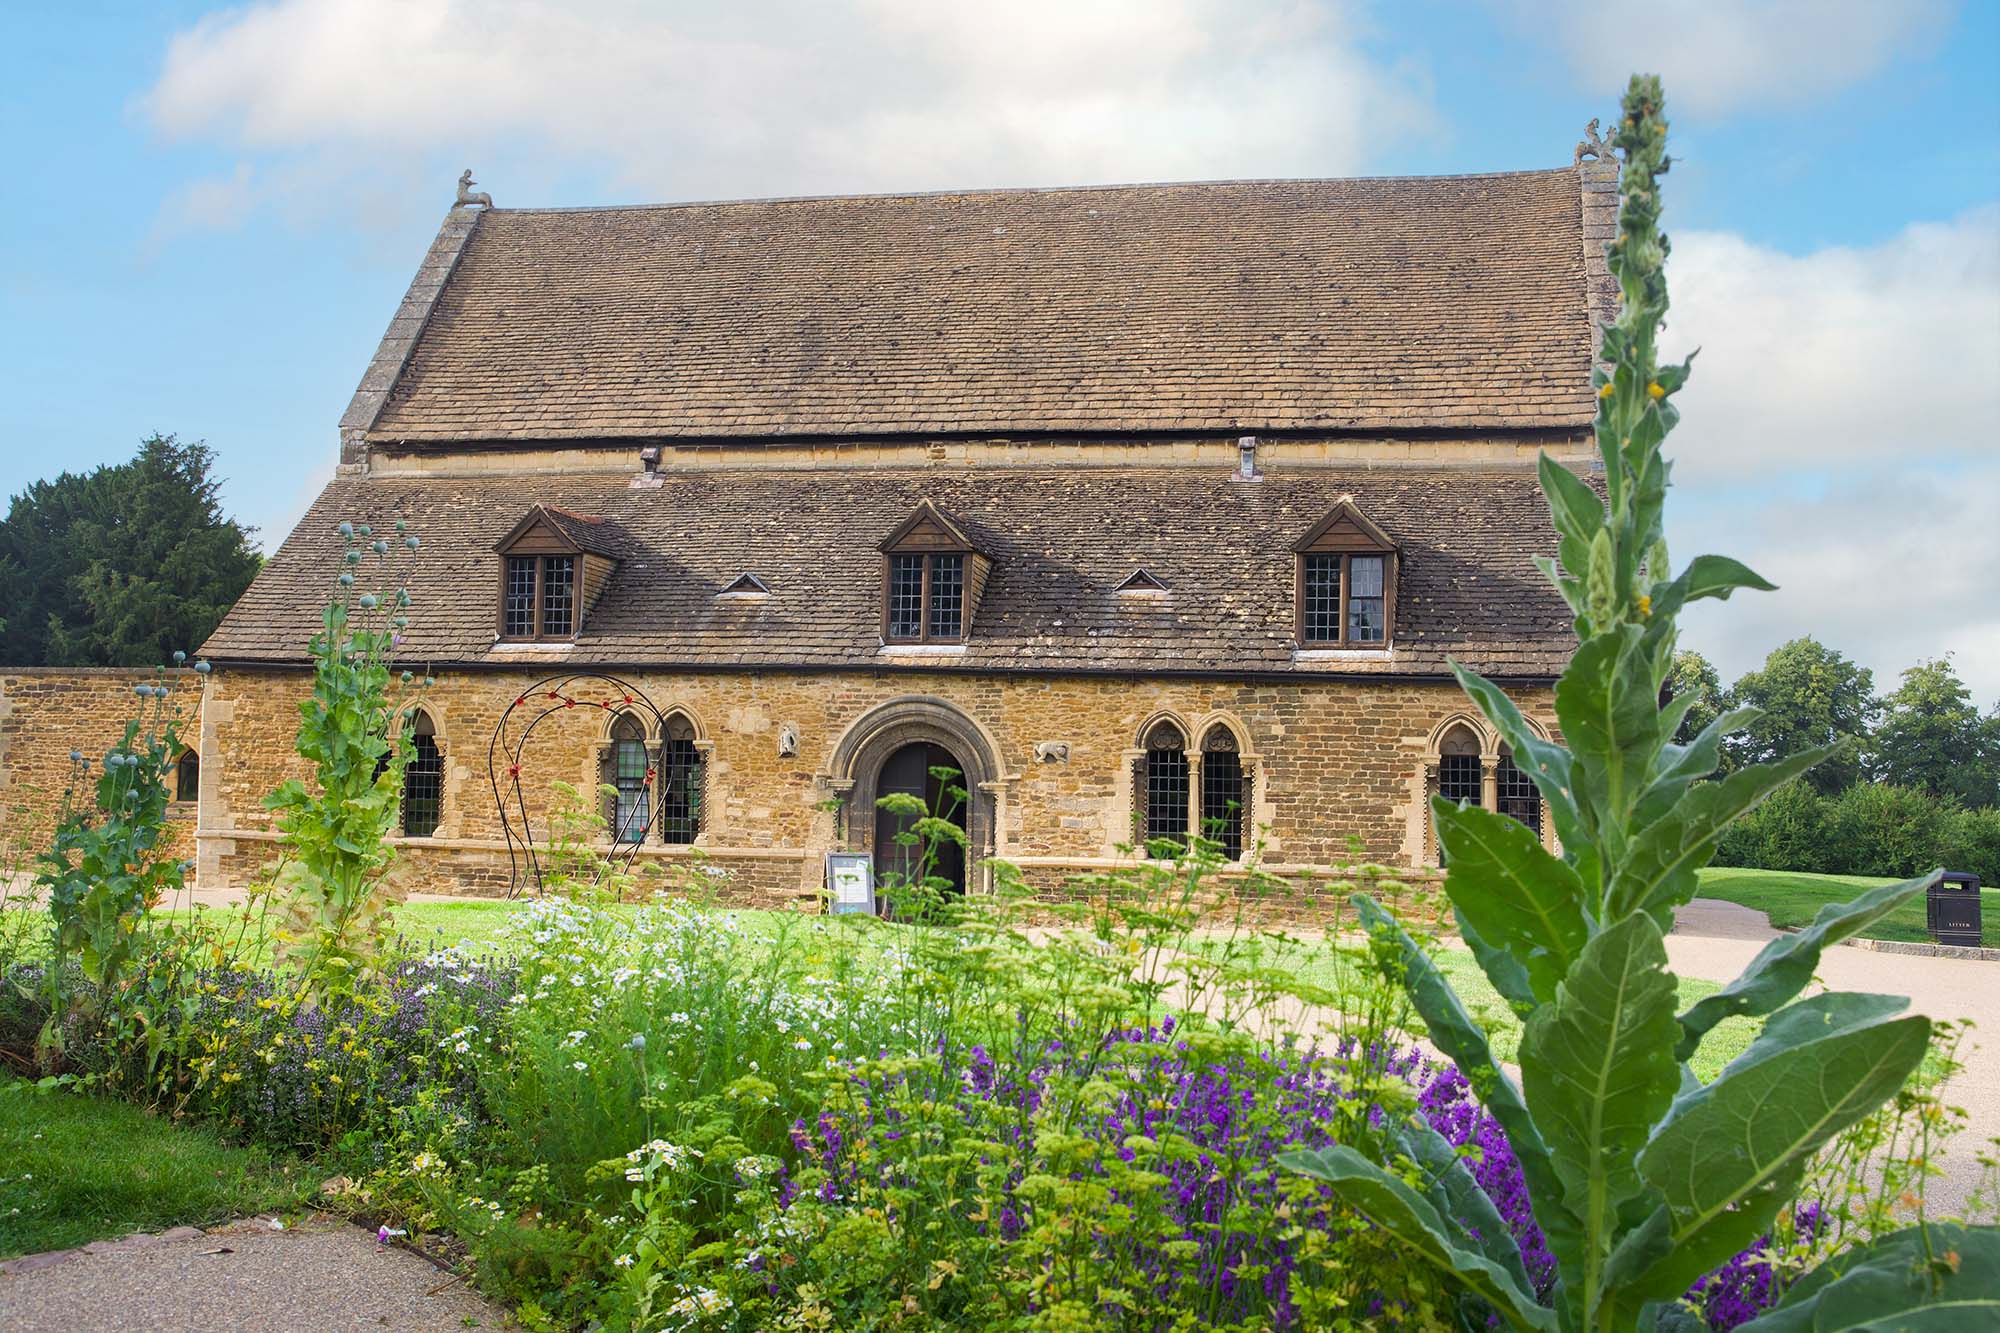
<point>623,1261</point>
<point>579,1065</point>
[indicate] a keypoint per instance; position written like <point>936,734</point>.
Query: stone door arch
<point>859,756</point>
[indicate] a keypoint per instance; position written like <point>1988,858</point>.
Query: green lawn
<point>76,1169</point>
<point>1792,899</point>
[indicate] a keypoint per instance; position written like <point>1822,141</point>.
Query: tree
<point>1693,674</point>
<point>1810,696</point>
<point>1933,738</point>
<point>123,565</point>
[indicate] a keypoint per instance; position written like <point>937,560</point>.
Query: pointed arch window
<point>629,772</point>
<point>1162,786</point>
<point>1516,794</point>
<point>681,772</point>
<point>423,779</point>
<point>187,777</point>
<point>1225,790</point>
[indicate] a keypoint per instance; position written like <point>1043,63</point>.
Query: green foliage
<point>103,870</point>
<point>1868,829</point>
<point>352,730</point>
<point>1642,1177</point>
<point>122,565</point>
<point>1694,677</point>
<point>1932,738</point>
<point>1807,695</point>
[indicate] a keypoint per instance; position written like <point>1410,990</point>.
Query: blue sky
<point>214,211</point>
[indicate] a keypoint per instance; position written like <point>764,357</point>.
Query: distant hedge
<point>1868,829</point>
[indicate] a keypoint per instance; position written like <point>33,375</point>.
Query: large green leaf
<point>1449,1186</point>
<point>1576,510</point>
<point>1463,1042</point>
<point>1546,763</point>
<point>1610,716</point>
<point>1599,1072</point>
<point>1681,766</point>
<point>1656,873</point>
<point>1939,1279</point>
<point>1414,1224</point>
<point>1520,900</point>
<point>1784,966</point>
<point>1747,1129</point>
<point>1654,1263</point>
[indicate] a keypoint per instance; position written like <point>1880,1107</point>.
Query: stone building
<point>1144,508</point>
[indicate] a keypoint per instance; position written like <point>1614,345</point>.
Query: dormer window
<point>931,579</point>
<point>1345,582</point>
<point>553,565</point>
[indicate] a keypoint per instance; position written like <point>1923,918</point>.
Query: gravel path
<point>1716,940</point>
<point>324,1274</point>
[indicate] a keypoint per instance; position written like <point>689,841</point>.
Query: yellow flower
<point>1646,605</point>
<point>1604,389</point>
<point>1655,390</point>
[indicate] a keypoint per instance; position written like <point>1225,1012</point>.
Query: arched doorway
<point>859,772</point>
<point>919,769</point>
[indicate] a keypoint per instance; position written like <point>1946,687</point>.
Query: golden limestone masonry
<point>1148,510</point>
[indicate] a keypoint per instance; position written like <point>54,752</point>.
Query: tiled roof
<point>1061,541</point>
<point>1389,303</point>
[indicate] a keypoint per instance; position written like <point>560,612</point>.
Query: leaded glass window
<point>423,780</point>
<point>631,773</point>
<point>1459,777</point>
<point>1322,598</point>
<point>947,601</point>
<point>1518,797</point>
<point>926,598</point>
<point>906,596</point>
<point>681,783</point>
<point>187,777</point>
<point>518,615</point>
<point>558,596</point>
<point>1224,794</point>
<point>1166,789</point>
<point>1365,622</point>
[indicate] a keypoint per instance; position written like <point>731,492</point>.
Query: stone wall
<point>45,714</point>
<point>1331,760</point>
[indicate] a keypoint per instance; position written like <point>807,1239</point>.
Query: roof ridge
<point>1014,190</point>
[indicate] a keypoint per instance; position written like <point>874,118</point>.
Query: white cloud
<point>1890,566</point>
<point>1724,56</point>
<point>1837,434</point>
<point>695,101</point>
<point>1838,357</point>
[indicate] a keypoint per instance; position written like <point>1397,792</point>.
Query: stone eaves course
<point>1062,541</point>
<point>1394,303</point>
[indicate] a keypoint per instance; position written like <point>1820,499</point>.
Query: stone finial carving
<point>1594,145</point>
<point>788,740</point>
<point>468,195</point>
<point>1052,752</point>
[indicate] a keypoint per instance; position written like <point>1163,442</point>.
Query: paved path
<point>1716,940</point>
<point>325,1274</point>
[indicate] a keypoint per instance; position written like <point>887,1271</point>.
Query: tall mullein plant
<point>1642,1178</point>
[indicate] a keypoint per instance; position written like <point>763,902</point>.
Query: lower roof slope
<point>1061,543</point>
<point>1416,302</point>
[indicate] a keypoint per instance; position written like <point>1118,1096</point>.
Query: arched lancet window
<point>1161,785</point>
<point>629,769</point>
<point>1516,793</point>
<point>681,783</point>
<point>423,780</point>
<point>187,777</point>
<point>1459,771</point>
<point>1225,790</point>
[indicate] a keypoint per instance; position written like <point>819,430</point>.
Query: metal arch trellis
<point>546,697</point>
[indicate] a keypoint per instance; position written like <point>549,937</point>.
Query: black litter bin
<point>1951,909</point>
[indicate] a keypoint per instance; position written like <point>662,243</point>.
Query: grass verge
<point>1792,898</point>
<point>75,1169</point>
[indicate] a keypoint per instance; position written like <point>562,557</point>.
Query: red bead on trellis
<point>649,777</point>
<point>513,770</point>
<point>520,701</point>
